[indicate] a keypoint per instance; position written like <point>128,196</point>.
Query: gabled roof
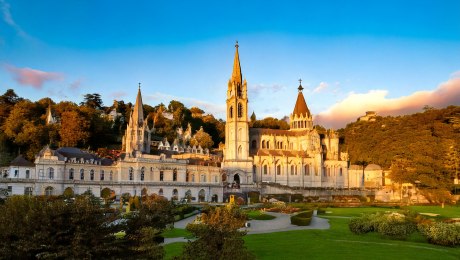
<point>21,161</point>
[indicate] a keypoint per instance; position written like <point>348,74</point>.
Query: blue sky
<point>390,56</point>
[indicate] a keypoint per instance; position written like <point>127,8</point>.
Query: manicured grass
<point>354,212</point>
<point>446,212</point>
<point>177,232</point>
<point>339,243</point>
<point>258,215</point>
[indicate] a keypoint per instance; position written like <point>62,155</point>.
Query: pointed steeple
<point>236,74</point>
<point>49,116</point>
<point>138,111</point>
<point>300,105</point>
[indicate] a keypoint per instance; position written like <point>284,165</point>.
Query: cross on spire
<point>300,85</point>
<point>236,45</point>
<point>139,85</point>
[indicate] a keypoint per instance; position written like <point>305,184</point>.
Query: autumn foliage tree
<point>218,235</point>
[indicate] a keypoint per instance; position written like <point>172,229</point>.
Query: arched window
<point>160,192</point>
<point>231,112</point>
<point>292,169</point>
<point>278,169</point>
<point>27,174</point>
<point>340,172</point>
<point>161,175</point>
<point>307,170</point>
<point>71,173</point>
<point>175,194</point>
<point>91,175</point>
<point>240,151</point>
<point>49,191</point>
<point>201,195</point>
<point>102,175</point>
<point>174,175</point>
<point>238,89</point>
<point>82,174</point>
<point>240,110</point>
<point>131,173</point>
<point>263,144</point>
<point>254,144</point>
<point>51,173</point>
<point>193,177</point>
<point>111,175</point>
<point>265,169</point>
<point>142,173</point>
<point>268,144</point>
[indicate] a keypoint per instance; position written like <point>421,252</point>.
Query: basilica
<point>300,158</point>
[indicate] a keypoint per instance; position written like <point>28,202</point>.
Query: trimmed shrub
<point>302,219</point>
<point>362,225</point>
<point>439,233</point>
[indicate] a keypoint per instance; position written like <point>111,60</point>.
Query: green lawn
<point>339,243</point>
<point>177,232</point>
<point>446,212</point>
<point>258,215</point>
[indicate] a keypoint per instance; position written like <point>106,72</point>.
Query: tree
<point>202,138</point>
<point>74,129</point>
<point>7,102</point>
<point>92,100</point>
<point>272,123</point>
<point>217,235</point>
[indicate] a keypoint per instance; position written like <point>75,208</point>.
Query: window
<point>340,172</point>
<point>49,191</point>
<point>91,175</point>
<point>193,177</point>
<point>174,175</point>
<point>324,171</point>
<point>265,169</point>
<point>307,170</point>
<point>142,173</point>
<point>263,144</point>
<point>240,110</point>
<point>231,112</point>
<point>51,173</point>
<point>111,176</point>
<point>71,174</point>
<point>131,173</point>
<point>215,179</point>
<point>203,178</point>
<point>102,175</point>
<point>27,174</point>
<point>28,191</point>
<point>268,144</point>
<point>16,173</point>
<point>175,194</point>
<point>82,174</point>
<point>161,175</point>
<point>278,169</point>
<point>240,151</point>
<point>238,89</point>
<point>160,192</point>
<point>292,169</point>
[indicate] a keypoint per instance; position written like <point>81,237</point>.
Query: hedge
<point>302,219</point>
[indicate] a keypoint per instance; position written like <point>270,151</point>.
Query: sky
<point>393,57</point>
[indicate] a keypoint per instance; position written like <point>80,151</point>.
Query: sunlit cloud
<point>217,110</point>
<point>8,19</point>
<point>321,87</point>
<point>356,104</point>
<point>32,77</point>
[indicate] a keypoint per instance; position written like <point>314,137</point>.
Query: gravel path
<point>282,222</point>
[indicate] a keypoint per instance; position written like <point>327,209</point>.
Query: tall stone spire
<point>138,111</point>
<point>236,74</point>
<point>301,118</point>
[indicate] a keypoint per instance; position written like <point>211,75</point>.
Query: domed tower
<point>301,118</point>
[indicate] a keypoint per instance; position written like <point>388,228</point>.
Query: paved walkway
<point>282,222</point>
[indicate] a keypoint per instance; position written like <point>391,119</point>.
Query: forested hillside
<point>422,147</point>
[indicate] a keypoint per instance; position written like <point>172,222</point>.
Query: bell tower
<point>236,153</point>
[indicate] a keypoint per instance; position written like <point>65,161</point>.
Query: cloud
<point>322,86</point>
<point>218,110</point>
<point>356,104</point>
<point>75,85</point>
<point>256,89</point>
<point>32,77</point>
<point>118,94</point>
<point>8,19</point>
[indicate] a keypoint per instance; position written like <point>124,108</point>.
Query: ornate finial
<point>236,45</point>
<point>139,85</point>
<point>300,85</point>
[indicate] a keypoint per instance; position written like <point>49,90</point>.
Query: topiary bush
<point>439,233</point>
<point>302,219</point>
<point>392,225</point>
